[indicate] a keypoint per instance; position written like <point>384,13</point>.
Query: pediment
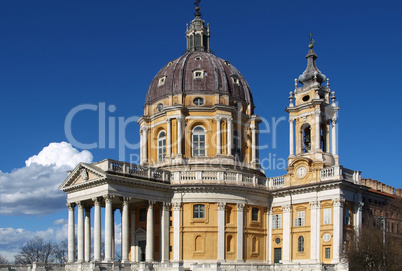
<point>140,230</point>
<point>82,173</point>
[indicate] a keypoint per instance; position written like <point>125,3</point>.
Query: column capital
<point>334,120</point>
<point>221,205</point>
<point>240,207</point>
<point>108,198</point>
<point>80,204</point>
<point>291,120</point>
<point>218,118</point>
<point>286,208</point>
<point>315,204</point>
<point>71,205</point>
<point>338,202</point>
<point>165,206</point>
<point>168,120</point>
<point>125,200</point>
<point>151,203</point>
<point>317,112</point>
<point>229,119</point>
<point>360,206</point>
<point>97,201</point>
<point>176,206</point>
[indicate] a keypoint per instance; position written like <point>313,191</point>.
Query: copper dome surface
<point>219,76</point>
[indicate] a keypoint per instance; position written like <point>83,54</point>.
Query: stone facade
<point>199,199</point>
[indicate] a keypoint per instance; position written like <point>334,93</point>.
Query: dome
<point>198,72</point>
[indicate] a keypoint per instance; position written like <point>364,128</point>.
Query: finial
<point>291,99</point>
<point>333,98</point>
<point>328,83</point>
<point>312,41</point>
<point>295,84</point>
<point>197,8</point>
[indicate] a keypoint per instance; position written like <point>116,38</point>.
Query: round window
<point>159,107</point>
<point>326,237</point>
<point>306,98</point>
<point>278,241</point>
<point>198,101</point>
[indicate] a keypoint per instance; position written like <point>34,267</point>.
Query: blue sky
<point>57,55</point>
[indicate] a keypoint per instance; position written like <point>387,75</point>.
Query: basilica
<point>199,199</point>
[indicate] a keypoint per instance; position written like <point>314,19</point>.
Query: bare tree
<point>60,252</point>
<point>3,260</point>
<point>36,250</point>
<point>370,251</point>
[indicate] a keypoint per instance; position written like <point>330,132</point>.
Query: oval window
<point>198,101</point>
<point>159,107</point>
<point>278,241</point>
<point>306,98</point>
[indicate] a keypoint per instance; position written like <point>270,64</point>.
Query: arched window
<point>323,138</point>
<point>306,133</point>
<point>236,145</point>
<point>300,247</point>
<point>161,146</point>
<point>199,244</point>
<point>198,141</point>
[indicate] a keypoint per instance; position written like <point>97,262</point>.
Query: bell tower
<point>312,118</point>
<point>197,33</point>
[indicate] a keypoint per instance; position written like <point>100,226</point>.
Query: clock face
<point>301,172</point>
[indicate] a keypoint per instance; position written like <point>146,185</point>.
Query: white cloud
<point>11,240</point>
<point>34,189</point>
<point>60,154</point>
<point>60,221</point>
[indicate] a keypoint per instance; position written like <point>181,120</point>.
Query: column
<point>141,146</point>
<point>254,144</point>
<point>108,227</point>
<point>168,138</point>
<point>218,137</point>
<point>176,231</point>
<point>269,237</point>
<point>144,145</point>
<point>71,232</point>
<point>317,129</point>
<point>113,236</point>
<point>240,207</point>
<point>87,234</point>
<point>359,212</point>
<point>338,229</point>
<point>165,232</point>
<point>133,235</point>
<point>97,230</point>
<point>149,249</point>
<point>80,233</point>
<point>124,230</point>
<point>229,136</point>
<point>287,224</point>
<point>221,231</point>
<point>179,135</point>
<point>315,230</point>
<point>291,137</point>
<point>333,136</point>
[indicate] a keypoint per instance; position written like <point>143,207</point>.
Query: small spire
<point>312,74</point>
<point>333,98</point>
<point>197,8</point>
<point>197,32</point>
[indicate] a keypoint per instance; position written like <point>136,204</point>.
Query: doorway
<point>277,255</point>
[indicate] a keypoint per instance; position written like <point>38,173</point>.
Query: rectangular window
<point>254,214</point>
<point>327,216</point>
<point>347,217</point>
<point>143,214</point>
<point>327,253</point>
<point>199,211</point>
<point>299,221</point>
<point>277,221</point>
